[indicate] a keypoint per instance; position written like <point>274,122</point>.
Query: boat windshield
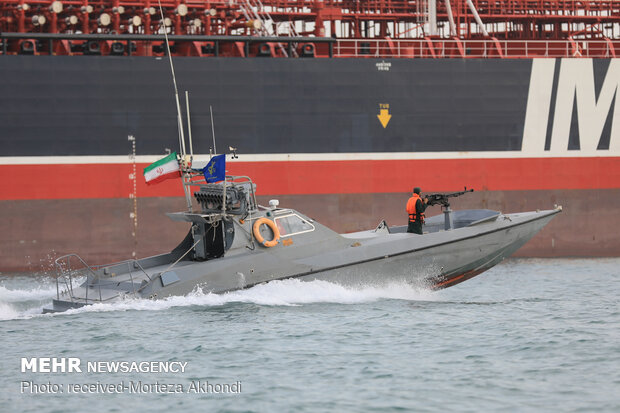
<point>293,224</point>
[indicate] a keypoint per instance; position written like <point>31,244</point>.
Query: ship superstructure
<point>383,28</point>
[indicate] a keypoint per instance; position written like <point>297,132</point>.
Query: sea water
<point>526,336</point>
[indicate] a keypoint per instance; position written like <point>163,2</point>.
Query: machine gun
<point>443,199</point>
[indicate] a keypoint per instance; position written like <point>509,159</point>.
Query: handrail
<point>610,44</point>
<point>61,273</point>
<point>459,44</point>
<point>65,273</point>
<point>437,48</point>
<point>341,48</point>
<point>431,48</point>
<point>498,47</point>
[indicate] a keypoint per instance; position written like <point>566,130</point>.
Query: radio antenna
<point>174,81</point>
<point>179,117</point>
<point>212,129</point>
<point>189,128</point>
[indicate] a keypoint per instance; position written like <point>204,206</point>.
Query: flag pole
<point>224,201</point>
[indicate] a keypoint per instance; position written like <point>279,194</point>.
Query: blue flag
<point>216,169</point>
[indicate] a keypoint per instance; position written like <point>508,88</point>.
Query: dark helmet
<point>417,190</point>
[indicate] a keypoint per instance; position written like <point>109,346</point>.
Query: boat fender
<point>272,226</point>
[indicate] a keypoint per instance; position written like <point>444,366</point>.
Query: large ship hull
<point>525,133</point>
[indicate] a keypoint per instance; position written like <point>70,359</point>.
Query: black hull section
<point>80,105</point>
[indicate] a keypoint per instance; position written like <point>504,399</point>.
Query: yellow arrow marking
<point>384,117</point>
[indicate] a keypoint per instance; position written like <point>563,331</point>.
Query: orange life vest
<point>411,209</point>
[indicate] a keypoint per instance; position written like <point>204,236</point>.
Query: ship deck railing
<point>434,48</point>
<point>322,47</point>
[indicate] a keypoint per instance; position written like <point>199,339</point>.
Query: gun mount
<point>238,199</point>
<point>444,201</point>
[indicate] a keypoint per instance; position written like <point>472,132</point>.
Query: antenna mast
<point>212,129</point>
<point>189,128</point>
<point>184,177</point>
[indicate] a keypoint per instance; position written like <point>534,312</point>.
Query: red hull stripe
<point>322,177</point>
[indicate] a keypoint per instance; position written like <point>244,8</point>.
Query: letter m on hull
<point>574,88</point>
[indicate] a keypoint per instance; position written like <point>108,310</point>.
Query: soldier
<point>415,208</point>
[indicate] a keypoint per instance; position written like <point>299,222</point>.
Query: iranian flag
<point>165,168</point>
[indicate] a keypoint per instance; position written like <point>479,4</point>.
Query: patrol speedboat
<point>233,243</point>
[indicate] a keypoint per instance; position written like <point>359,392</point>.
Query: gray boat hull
<point>440,265</point>
<point>435,260</point>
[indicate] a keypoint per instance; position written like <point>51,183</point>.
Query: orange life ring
<point>259,237</point>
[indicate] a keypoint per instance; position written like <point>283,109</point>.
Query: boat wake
<point>40,292</point>
<point>22,304</point>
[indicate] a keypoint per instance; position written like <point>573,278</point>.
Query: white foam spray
<point>39,292</point>
<point>290,292</point>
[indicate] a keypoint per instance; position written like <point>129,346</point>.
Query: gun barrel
<point>437,198</point>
